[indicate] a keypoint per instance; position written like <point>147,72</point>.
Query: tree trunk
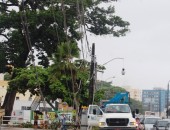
<point>76,99</point>
<point>76,103</point>
<point>8,105</point>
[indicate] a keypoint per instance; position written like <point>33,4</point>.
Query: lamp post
<point>110,78</point>
<point>118,58</point>
<point>167,98</point>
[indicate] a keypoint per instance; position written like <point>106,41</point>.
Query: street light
<point>123,69</point>
<point>110,78</point>
<point>167,98</point>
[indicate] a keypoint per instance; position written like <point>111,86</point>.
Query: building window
<point>30,99</point>
<point>23,108</point>
<point>17,98</point>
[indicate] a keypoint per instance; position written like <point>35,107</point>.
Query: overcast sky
<point>146,48</point>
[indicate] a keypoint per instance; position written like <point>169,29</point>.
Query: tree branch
<point>5,4</point>
<point>4,36</point>
<point>50,104</point>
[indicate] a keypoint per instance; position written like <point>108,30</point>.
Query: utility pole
<point>92,75</point>
<point>168,99</point>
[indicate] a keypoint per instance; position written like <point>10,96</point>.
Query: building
<point>1,76</point>
<point>3,90</point>
<point>155,100</point>
<point>134,93</point>
<point>23,102</point>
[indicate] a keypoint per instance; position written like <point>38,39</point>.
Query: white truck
<point>2,111</point>
<point>112,117</point>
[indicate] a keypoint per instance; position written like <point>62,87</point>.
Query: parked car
<point>161,125</point>
<point>149,121</point>
<point>166,120</point>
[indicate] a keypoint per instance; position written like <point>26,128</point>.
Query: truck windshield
<point>117,109</point>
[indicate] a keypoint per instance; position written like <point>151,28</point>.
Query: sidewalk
<point>12,128</point>
<point>15,128</point>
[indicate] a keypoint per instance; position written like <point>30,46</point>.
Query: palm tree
<point>63,68</point>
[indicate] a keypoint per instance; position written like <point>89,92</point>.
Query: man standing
<point>35,120</point>
<point>63,122</point>
<point>57,121</point>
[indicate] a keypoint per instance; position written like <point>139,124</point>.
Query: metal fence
<point>12,120</point>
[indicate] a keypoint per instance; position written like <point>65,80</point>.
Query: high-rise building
<point>135,93</point>
<point>154,100</point>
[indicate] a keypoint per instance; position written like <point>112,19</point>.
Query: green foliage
<point>71,74</point>
<point>106,91</point>
<point>57,89</point>
<point>95,128</point>
<point>27,125</point>
<point>7,76</point>
<point>136,105</point>
<point>26,26</point>
<point>29,79</point>
<point>56,81</point>
<point>45,22</point>
<point>103,84</point>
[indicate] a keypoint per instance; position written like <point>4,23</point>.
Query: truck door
<point>93,115</point>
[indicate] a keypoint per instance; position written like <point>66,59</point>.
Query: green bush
<point>27,125</point>
<point>95,128</point>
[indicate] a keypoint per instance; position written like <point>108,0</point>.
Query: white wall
<point>1,76</point>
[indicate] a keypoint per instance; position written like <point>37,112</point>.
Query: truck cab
<point>2,111</point>
<point>113,116</point>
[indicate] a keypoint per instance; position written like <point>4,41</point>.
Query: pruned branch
<point>4,36</point>
<point>5,4</point>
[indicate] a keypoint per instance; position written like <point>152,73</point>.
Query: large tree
<point>65,78</point>
<point>30,25</point>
